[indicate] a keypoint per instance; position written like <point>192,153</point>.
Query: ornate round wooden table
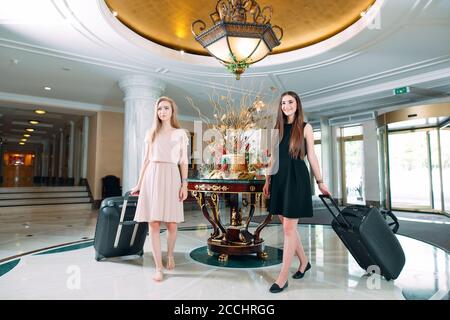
<point>233,239</point>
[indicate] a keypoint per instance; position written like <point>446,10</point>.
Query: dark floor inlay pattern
<point>68,248</point>
<point>8,266</point>
<point>275,257</point>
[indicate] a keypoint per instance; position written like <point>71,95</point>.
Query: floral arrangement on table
<point>233,153</point>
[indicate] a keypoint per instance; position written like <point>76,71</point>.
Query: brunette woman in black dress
<point>288,182</point>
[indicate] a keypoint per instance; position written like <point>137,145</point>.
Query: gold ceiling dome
<point>304,22</point>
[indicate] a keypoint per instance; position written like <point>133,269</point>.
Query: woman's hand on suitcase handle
<point>323,188</point>
<point>134,191</point>
<point>183,192</point>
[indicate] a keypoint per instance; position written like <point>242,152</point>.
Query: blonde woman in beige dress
<point>162,183</point>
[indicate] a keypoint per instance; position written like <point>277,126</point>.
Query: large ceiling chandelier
<point>241,34</point>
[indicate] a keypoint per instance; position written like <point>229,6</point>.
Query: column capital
<point>141,87</point>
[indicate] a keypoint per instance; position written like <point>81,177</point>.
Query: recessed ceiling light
<point>40,111</point>
<point>24,140</point>
<point>29,129</point>
<point>115,14</point>
<point>26,135</point>
<point>182,51</point>
<point>22,143</point>
<point>47,88</point>
<point>34,122</point>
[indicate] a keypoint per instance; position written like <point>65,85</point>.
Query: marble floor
<point>57,262</point>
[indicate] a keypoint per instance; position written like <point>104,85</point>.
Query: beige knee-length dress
<point>160,178</point>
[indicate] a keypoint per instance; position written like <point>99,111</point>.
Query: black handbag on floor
<point>369,237</point>
<point>116,234</point>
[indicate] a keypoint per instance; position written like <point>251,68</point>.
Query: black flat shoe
<point>299,275</point>
<point>276,288</point>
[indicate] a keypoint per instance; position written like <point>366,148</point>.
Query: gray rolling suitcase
<point>369,237</point>
<point>116,234</point>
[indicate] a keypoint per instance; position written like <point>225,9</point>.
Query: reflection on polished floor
<point>71,272</point>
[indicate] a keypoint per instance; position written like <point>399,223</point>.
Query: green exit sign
<point>401,90</point>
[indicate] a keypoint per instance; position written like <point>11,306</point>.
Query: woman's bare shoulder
<point>308,128</point>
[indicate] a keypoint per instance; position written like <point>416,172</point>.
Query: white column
<point>45,155</point>
<point>371,180</point>
<point>337,163</point>
<point>53,173</point>
<point>141,93</point>
<point>84,151</point>
<point>71,146</point>
<point>327,154</point>
<point>61,153</point>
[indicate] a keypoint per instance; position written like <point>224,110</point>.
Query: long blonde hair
<point>157,124</point>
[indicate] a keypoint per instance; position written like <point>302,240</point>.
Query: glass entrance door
<point>409,163</point>
<point>444,137</point>
<point>414,157</point>
<point>352,149</point>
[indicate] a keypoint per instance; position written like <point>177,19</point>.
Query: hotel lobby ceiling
<point>81,50</point>
<point>304,22</point>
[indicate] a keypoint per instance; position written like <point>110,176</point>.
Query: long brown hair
<point>296,142</point>
<point>157,123</point>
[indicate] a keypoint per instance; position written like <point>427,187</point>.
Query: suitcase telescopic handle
<point>126,198</point>
<point>121,222</point>
<point>395,224</point>
<point>124,206</point>
<point>322,197</point>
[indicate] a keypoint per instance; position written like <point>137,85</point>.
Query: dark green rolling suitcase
<point>116,234</point>
<point>369,237</point>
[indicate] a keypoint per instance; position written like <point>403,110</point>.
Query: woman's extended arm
<point>184,167</point>
<point>312,159</point>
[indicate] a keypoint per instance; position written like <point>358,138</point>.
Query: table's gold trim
<point>208,187</point>
<point>198,196</point>
<point>242,192</point>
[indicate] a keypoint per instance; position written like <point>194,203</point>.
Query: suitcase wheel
<point>98,256</point>
<point>140,253</point>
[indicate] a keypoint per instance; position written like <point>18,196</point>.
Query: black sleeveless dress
<point>290,187</point>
